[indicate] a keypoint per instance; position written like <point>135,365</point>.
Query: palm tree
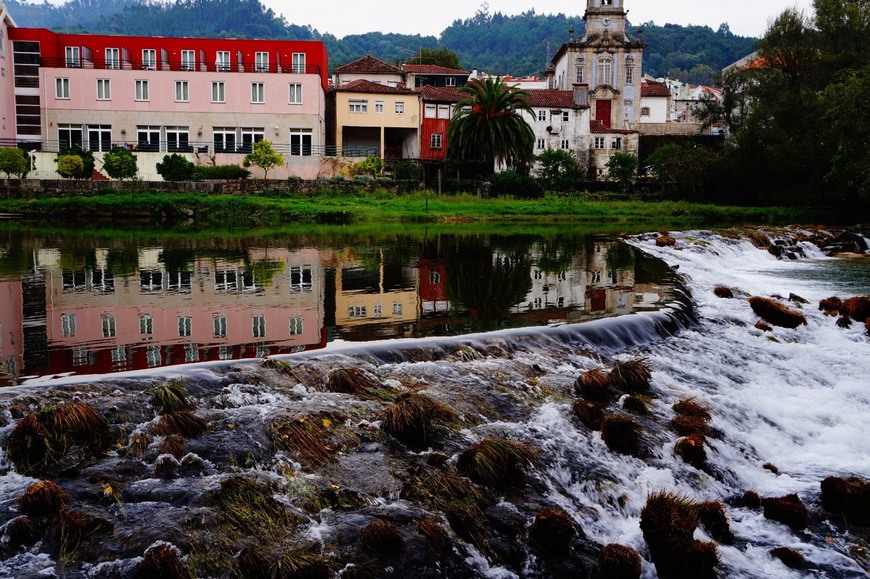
<point>488,126</point>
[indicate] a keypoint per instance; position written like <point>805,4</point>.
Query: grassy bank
<point>345,208</point>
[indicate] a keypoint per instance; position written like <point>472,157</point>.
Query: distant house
<point>438,103</point>
<point>655,102</point>
<point>368,118</point>
<point>606,142</point>
<point>560,121</point>
<point>419,75</point>
<point>370,69</point>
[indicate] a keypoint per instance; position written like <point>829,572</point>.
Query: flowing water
<point>789,406</point>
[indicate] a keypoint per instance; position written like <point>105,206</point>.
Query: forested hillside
<point>495,43</point>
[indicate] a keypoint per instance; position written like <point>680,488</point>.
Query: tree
<point>263,156</point>
<point>622,168</point>
<point>14,161</point>
<point>558,169</point>
<point>70,166</point>
<point>87,157</point>
<point>175,168</point>
<point>120,164</point>
<point>438,56</point>
<point>488,126</point>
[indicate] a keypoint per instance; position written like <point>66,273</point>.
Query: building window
<point>104,89</point>
<point>356,311</point>
<point>300,142</point>
<point>108,326</point>
<point>218,92</point>
<point>566,116</point>
<point>148,139</point>
<point>113,60</point>
<point>397,308</point>
<point>69,136</point>
<point>261,61</point>
<point>188,60</point>
<point>616,143</point>
<point>444,112</point>
<point>599,142</point>
<point>225,352</point>
<point>400,107</point>
<point>153,356</point>
<point>149,59</point>
<point>295,325</point>
<point>629,75</point>
<point>430,111</point>
<point>644,111</point>
<point>185,326</point>
<point>295,93</point>
<point>299,62</point>
<point>220,326</point>
<point>99,137</point>
<point>542,116</point>
<point>61,88</point>
<point>581,74</point>
<point>222,61</point>
<point>451,81</point>
<point>434,278</point>
<point>605,71</point>
<point>379,106</point>
<point>436,141</point>
<point>178,139</point>
<point>73,57</point>
<point>251,135</point>
<point>300,279</point>
<point>359,106</point>
<point>191,353</point>
<point>141,90</point>
<point>182,91</point>
<point>258,328</point>
<point>258,92</point>
<point>542,144</point>
<point>68,325</point>
<point>224,139</point>
<point>146,324</point>
<point>566,144</point>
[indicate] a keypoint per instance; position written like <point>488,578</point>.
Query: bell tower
<point>605,17</point>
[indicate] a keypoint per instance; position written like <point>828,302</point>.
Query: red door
<point>602,112</point>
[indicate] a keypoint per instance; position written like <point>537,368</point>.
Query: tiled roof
<point>651,88</point>
<point>432,69</point>
<point>553,98</point>
<point>441,94</point>
<point>372,87</point>
<point>596,128</point>
<point>368,63</point>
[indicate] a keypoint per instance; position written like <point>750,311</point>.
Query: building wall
<point>393,80</point>
<point>554,130</point>
<point>658,109</point>
<point>389,119</point>
<point>7,102</point>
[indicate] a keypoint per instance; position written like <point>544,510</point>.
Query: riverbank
<point>343,207</point>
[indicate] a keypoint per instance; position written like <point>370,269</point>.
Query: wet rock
<point>507,519</point>
<point>166,467</point>
<point>636,405</point>
<point>867,327</point>
<point>619,562</point>
<point>790,558</point>
<point>831,304</point>
<point>691,450</point>
<point>788,510</point>
<point>162,560</point>
<point>844,322</point>
<point>19,532</point>
<point>763,326</point>
<point>771,467</point>
<point>723,292</point>
<point>776,313</point>
<point>857,308</point>
<point>751,500</point>
<point>848,497</point>
<point>794,298</point>
<point>856,241</point>
<point>665,241</point>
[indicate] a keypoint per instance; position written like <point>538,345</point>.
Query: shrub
<point>175,167</point>
<point>120,163</point>
<point>371,166</point>
<point>776,313</point>
<point>497,463</point>
<point>619,562</point>
<point>559,169</point>
<point>412,418</point>
<point>407,171</point>
<point>70,166</point>
<point>511,183</point>
<point>264,156</point>
<point>622,168</point>
<point>14,161</point>
<point>43,499</point>
<point>204,172</point>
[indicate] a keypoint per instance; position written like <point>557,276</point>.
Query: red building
<point>438,105</point>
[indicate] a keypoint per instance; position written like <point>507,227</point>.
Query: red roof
<point>372,87</point>
<point>432,69</point>
<point>441,94</point>
<point>553,98</point>
<point>368,63</point>
<point>596,128</point>
<point>651,88</point>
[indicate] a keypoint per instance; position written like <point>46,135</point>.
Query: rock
<point>775,313</point>
<point>797,299</point>
<point>855,240</point>
<point>831,304</point>
<point>844,322</point>
<point>665,241</point>
<point>848,497</point>
<point>723,292</point>
<point>857,308</point>
<point>790,558</point>
<point>763,326</point>
<point>867,327</point>
<point>788,510</point>
<point>622,434</point>
<point>751,500</point>
<point>691,450</point>
<point>166,467</point>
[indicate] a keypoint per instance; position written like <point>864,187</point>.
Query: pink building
<point>7,107</point>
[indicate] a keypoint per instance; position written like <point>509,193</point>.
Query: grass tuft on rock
<point>299,564</point>
<point>619,562</point>
<point>497,463</point>
<point>622,434</point>
<point>413,418</point>
<point>252,564</point>
<point>691,450</point>
<point>790,558</point>
<point>633,376</point>
<point>848,497</point>
<point>356,382</point>
<point>44,499</point>
<point>594,385</point>
<point>249,509</point>
<point>382,537</point>
<point>313,440</point>
<point>185,423</point>
<point>668,522</point>
<point>590,414</point>
<point>713,518</point>
<point>788,510</point>
<point>162,560</point>
<point>552,531</point>
<point>691,407</point>
<point>686,425</point>
<point>773,312</point>
<point>172,396</point>
<point>174,445</point>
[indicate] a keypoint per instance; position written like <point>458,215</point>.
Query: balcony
<point>178,65</point>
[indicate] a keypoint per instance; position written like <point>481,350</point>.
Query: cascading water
<point>787,407</point>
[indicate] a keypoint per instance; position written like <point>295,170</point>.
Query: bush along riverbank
<point>353,206</point>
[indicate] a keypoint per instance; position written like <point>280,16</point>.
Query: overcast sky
<point>341,17</point>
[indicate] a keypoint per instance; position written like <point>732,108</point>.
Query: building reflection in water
<point>95,313</point>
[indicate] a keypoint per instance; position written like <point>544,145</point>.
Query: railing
<point>197,147</point>
<point>178,65</point>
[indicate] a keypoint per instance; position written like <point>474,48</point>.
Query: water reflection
<point>96,306</point>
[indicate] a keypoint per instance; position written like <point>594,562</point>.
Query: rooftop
<point>368,64</point>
